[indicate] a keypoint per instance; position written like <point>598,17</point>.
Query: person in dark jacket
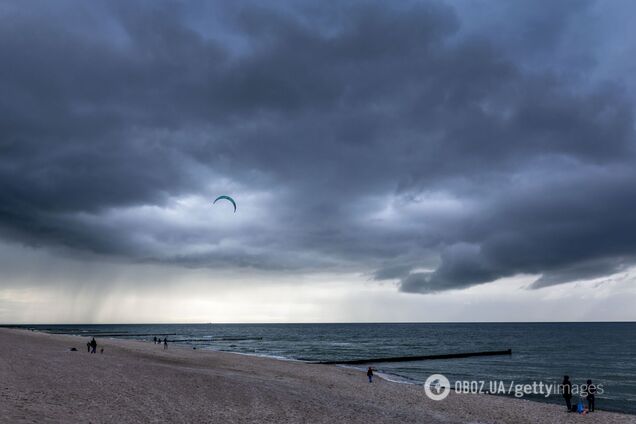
<point>93,345</point>
<point>165,343</point>
<point>370,374</point>
<point>591,391</point>
<point>566,389</point>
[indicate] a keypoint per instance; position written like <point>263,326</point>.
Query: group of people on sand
<point>588,392</point>
<point>157,340</point>
<point>91,346</point>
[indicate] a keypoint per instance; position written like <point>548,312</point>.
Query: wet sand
<point>42,381</point>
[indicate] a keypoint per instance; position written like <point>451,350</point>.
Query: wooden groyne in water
<point>219,339</point>
<point>418,358</point>
<point>216,339</point>
<point>126,334</point>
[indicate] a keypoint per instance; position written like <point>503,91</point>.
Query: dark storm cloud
<point>394,138</point>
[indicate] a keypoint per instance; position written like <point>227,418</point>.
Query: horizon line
<point>320,323</point>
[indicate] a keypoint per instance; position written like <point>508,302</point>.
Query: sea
<point>541,352</point>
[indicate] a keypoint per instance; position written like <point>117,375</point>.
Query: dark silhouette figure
<point>155,339</point>
<point>370,374</point>
<point>101,351</point>
<point>88,347</point>
<point>566,388</point>
<point>591,391</point>
<point>93,345</point>
<point>165,343</point>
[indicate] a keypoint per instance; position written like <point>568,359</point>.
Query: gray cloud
<point>375,138</point>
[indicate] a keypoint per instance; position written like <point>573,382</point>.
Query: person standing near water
<point>591,391</point>
<point>155,339</point>
<point>93,345</point>
<point>566,386</point>
<point>165,343</point>
<point>370,374</point>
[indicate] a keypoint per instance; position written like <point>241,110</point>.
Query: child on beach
<point>370,374</point>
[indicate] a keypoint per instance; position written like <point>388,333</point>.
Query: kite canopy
<point>228,198</point>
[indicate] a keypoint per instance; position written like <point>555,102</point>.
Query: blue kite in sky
<point>228,198</point>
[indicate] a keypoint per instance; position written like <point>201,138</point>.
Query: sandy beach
<point>42,380</point>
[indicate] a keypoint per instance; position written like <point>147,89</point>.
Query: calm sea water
<point>603,352</point>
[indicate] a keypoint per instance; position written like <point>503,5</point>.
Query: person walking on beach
<point>88,347</point>
<point>165,343</point>
<point>591,391</point>
<point>566,387</point>
<point>93,345</point>
<point>155,339</point>
<point>370,374</point>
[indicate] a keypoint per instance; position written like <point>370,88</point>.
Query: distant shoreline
<point>385,374</point>
<point>135,381</point>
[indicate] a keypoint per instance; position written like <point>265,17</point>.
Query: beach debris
<point>73,349</point>
<point>228,198</point>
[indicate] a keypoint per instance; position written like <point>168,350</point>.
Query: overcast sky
<point>392,161</point>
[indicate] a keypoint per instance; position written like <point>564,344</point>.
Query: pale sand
<point>42,381</point>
